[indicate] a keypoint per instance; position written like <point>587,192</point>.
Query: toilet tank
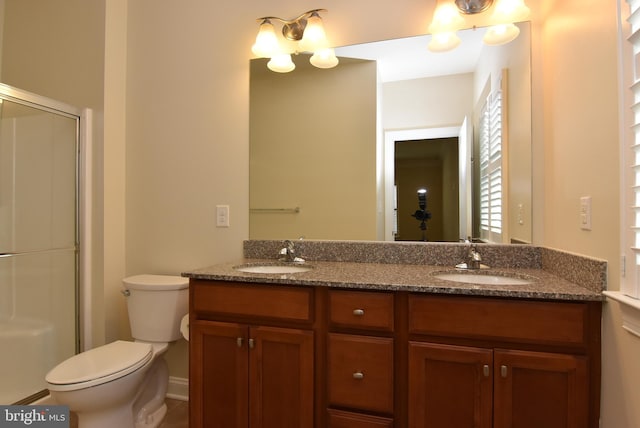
<point>156,305</point>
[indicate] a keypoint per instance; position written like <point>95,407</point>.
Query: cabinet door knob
<point>485,370</point>
<point>358,375</point>
<point>239,342</point>
<point>358,312</point>
<point>503,371</point>
<point>252,344</point>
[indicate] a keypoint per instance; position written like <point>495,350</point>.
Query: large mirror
<point>341,153</point>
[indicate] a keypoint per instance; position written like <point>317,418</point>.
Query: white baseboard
<point>178,388</point>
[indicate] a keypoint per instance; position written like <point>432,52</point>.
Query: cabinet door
<point>534,390</point>
<point>281,378</point>
<point>449,386</point>
<point>218,379</point>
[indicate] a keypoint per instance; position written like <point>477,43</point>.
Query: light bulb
<point>314,37</point>
<point>443,42</point>
<point>446,19</point>
<point>324,58</point>
<point>500,34</point>
<point>266,44</point>
<point>281,63</point>
<point>509,11</point>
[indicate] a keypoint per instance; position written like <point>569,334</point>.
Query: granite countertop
<point>407,277</point>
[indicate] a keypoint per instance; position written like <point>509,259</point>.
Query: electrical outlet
<point>585,213</point>
<point>520,214</point>
<point>222,215</point>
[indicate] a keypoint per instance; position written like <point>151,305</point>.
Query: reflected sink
<point>274,268</point>
<point>482,278</point>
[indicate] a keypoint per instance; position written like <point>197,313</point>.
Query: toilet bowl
<point>123,384</point>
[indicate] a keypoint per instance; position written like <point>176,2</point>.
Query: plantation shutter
<point>491,172</point>
<point>632,174</point>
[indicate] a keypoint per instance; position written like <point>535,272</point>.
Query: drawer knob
<point>358,375</point>
<point>358,312</point>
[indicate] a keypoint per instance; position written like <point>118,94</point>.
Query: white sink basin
<point>274,268</point>
<point>480,278</point>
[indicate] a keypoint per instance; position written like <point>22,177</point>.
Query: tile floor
<point>177,415</point>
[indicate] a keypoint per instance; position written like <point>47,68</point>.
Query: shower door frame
<point>83,191</point>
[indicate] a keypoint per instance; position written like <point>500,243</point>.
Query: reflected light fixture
<point>302,34</point>
<point>448,19</point>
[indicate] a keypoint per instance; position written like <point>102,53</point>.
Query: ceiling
<point>409,58</point>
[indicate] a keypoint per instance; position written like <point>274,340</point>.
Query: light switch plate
<point>222,215</point>
<point>585,213</point>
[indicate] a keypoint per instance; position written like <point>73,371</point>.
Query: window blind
<point>630,285</point>
<point>491,195</point>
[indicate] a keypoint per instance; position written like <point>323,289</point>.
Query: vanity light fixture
<point>448,19</point>
<point>302,34</point>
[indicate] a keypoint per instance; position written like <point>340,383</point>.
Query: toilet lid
<point>155,282</point>
<point>99,365</point>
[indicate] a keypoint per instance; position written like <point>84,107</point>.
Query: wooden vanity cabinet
<point>275,356</point>
<point>360,359</point>
<point>456,386</point>
<point>248,367</point>
<point>486,362</point>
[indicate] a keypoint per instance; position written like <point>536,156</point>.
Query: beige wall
<point>579,81</point>
<point>186,124</point>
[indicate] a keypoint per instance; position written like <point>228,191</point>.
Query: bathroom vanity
<point>372,345</point>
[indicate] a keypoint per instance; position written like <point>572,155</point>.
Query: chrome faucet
<point>288,253</point>
<point>474,259</point>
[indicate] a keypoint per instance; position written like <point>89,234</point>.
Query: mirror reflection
<point>342,153</point>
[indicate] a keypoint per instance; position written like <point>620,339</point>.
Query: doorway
<point>451,195</point>
<point>430,165</point>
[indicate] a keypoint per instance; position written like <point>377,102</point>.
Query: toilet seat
<point>99,365</point>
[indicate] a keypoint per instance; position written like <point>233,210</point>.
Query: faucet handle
<point>289,251</point>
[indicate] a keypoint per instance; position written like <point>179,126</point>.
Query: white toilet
<point>123,384</point>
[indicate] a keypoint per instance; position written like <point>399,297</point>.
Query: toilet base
<point>122,418</point>
<point>133,401</point>
<point>154,419</point>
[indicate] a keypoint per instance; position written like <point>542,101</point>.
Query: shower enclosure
<point>39,240</point>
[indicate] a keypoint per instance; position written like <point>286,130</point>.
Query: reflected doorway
<point>455,183</point>
<point>430,164</point>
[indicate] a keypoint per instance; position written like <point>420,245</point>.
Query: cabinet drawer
<point>361,309</point>
<point>544,323</point>
<point>360,372</point>
<point>263,301</point>
<point>341,419</point>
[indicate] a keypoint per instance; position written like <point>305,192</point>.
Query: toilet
<point>123,384</point>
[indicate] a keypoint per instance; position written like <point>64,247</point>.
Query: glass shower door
<point>38,244</point>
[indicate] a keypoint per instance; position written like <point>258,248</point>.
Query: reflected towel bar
<point>295,210</point>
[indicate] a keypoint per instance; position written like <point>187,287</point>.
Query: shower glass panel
<point>38,243</point>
